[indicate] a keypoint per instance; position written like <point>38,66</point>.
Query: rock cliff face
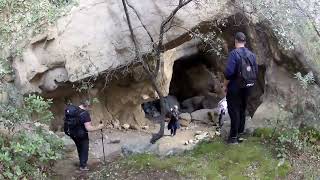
<point>94,39</point>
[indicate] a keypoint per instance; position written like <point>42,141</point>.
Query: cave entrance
<point>197,83</point>
<point>197,79</point>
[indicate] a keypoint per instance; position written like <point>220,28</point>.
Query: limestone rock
<point>134,127</point>
<point>8,78</point>
<point>132,149</point>
<point>192,104</point>
<point>203,115</point>
<point>125,126</point>
<point>51,79</point>
<point>4,97</point>
<point>116,124</point>
<point>145,127</point>
<point>267,113</point>
<point>185,119</point>
<point>202,136</point>
<point>68,143</point>
<point>106,44</point>
<point>115,141</point>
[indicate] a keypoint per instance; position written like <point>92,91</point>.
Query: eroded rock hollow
<point>72,52</point>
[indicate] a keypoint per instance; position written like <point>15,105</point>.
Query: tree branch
<point>143,25</point>
<point>164,23</point>
<point>157,48</point>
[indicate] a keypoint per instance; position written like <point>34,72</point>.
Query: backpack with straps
<point>72,125</point>
<point>247,73</point>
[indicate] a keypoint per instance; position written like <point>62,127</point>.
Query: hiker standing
<point>77,126</point>
<point>174,120</point>
<point>241,74</point>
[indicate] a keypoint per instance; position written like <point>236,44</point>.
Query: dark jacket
<point>174,120</point>
<point>232,68</point>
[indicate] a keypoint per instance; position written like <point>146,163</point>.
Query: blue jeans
<point>83,150</point>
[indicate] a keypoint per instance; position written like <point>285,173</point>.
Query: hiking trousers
<point>83,149</point>
<point>237,103</point>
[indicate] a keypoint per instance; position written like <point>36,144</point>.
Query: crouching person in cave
<point>174,120</point>
<point>77,124</point>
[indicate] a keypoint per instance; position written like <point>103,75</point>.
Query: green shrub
<point>265,133</point>
<point>30,148</point>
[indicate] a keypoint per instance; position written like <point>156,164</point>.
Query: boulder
<point>114,141</point>
<point>192,104</point>
<point>185,119</point>
<point>131,149</point>
<point>68,144</point>
<point>203,115</point>
<point>210,101</point>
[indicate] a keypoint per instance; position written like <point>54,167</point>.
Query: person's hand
<point>100,126</point>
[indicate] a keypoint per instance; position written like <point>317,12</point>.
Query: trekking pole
<point>104,155</point>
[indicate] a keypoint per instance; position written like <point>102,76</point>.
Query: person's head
<point>240,40</point>
<point>85,104</point>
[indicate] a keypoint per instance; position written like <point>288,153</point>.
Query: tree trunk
<point>150,75</point>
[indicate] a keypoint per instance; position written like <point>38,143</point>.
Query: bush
<point>30,148</point>
<point>29,154</point>
<point>290,140</point>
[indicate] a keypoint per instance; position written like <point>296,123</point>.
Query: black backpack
<point>247,73</point>
<point>72,125</point>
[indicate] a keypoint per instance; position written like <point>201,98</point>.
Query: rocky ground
<point>119,143</point>
<point>126,157</point>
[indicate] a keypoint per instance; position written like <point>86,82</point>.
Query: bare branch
<point>143,25</point>
<point>163,30</point>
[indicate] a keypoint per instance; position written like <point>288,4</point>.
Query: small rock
<point>198,133</point>
<point>217,133</point>
<point>115,141</point>
<point>116,124</point>
<point>134,127</point>
<point>202,136</point>
<point>190,141</point>
<point>125,126</point>
<point>186,143</point>
<point>145,127</point>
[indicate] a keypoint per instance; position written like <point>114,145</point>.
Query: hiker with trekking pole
<point>77,124</point>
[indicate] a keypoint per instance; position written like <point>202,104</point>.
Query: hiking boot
<point>232,141</point>
<point>84,168</point>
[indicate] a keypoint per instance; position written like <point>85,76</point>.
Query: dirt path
<point>68,167</point>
